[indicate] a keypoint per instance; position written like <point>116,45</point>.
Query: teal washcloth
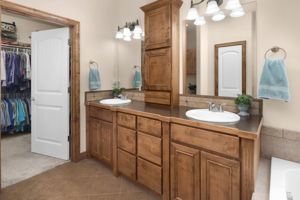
<point>137,79</point>
<point>94,79</point>
<point>274,82</point>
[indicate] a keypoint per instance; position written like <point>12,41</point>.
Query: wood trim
<point>184,68</point>
<point>244,64</point>
<point>75,64</point>
<point>166,160</point>
<point>83,155</point>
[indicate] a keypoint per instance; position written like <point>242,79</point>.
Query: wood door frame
<point>244,64</point>
<point>74,67</point>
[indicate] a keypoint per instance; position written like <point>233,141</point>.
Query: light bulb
<point>126,32</point>
<point>200,21</point>
<point>237,12</point>
<point>218,16</point>
<point>127,38</point>
<point>119,35</point>
<point>137,36</point>
<point>137,29</point>
<point>233,4</point>
<point>212,7</point>
<point>192,14</point>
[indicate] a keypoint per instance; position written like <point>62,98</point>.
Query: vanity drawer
<point>149,175</point>
<point>149,148</point>
<point>218,142</point>
<point>127,139</point>
<point>102,114</point>
<point>150,126</point>
<point>127,164</point>
<point>127,120</point>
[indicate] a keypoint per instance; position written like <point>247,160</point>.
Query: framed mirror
<point>220,56</point>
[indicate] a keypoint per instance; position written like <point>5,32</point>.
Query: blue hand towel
<point>94,79</point>
<point>274,82</point>
<point>137,79</point>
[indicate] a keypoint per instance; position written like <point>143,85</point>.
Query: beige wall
<point>25,26</point>
<point>97,18</point>
<point>279,24</point>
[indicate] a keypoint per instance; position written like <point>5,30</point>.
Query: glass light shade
<point>137,36</point>
<point>126,32</point>
<point>219,16</point>
<point>137,30</point>
<point>200,21</point>
<point>127,38</point>
<point>119,35</point>
<point>192,14</point>
<point>212,7</point>
<point>233,4</point>
<point>237,12</point>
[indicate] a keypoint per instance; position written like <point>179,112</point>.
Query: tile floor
<point>85,180</point>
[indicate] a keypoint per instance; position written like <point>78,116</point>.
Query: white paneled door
<point>230,71</point>
<point>50,97</point>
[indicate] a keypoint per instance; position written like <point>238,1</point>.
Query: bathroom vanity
<point>176,157</point>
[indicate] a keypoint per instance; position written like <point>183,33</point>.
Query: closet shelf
<point>26,46</point>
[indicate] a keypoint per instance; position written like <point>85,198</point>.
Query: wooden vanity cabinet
<point>211,165</point>
<point>177,160</point>
<point>139,146</point>
<point>100,134</point>
<point>158,27</point>
<point>158,69</point>
<point>161,59</point>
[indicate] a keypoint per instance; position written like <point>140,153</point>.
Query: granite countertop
<point>247,127</point>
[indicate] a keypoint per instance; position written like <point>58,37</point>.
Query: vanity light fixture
<point>200,21</point>
<point>219,16</point>
<point>130,29</point>
<point>213,8</point>
<point>237,12</point>
<point>233,5</point>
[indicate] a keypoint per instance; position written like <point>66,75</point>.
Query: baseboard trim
<point>82,156</point>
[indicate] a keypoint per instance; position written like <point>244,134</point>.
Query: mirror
<point>220,56</point>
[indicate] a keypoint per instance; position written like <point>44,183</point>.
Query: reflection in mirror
<point>220,55</point>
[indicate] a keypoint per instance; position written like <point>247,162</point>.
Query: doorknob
<point>32,99</point>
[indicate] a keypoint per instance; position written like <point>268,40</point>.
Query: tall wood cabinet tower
<point>161,61</point>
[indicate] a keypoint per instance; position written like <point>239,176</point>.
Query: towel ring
<point>93,63</point>
<point>276,50</point>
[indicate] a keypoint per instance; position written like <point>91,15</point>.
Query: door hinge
<point>70,42</point>
<point>69,89</point>
<point>69,138</point>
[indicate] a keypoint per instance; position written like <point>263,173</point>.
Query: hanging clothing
<point>15,115</point>
<point>15,70</point>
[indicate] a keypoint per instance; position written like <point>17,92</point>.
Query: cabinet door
<point>220,178</point>
<point>158,69</point>
<point>106,142</point>
<point>158,28</point>
<point>94,137</point>
<point>185,173</point>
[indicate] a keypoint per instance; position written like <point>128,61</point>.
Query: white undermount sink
<point>214,117</point>
<point>115,101</point>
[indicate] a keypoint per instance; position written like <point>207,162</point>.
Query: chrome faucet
<point>213,107</point>
<point>123,97</point>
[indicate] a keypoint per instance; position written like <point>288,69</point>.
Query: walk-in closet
<point>20,158</point>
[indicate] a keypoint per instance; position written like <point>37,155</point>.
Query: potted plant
<point>243,103</point>
<point>117,91</point>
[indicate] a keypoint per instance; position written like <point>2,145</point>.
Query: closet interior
<point>18,162</point>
